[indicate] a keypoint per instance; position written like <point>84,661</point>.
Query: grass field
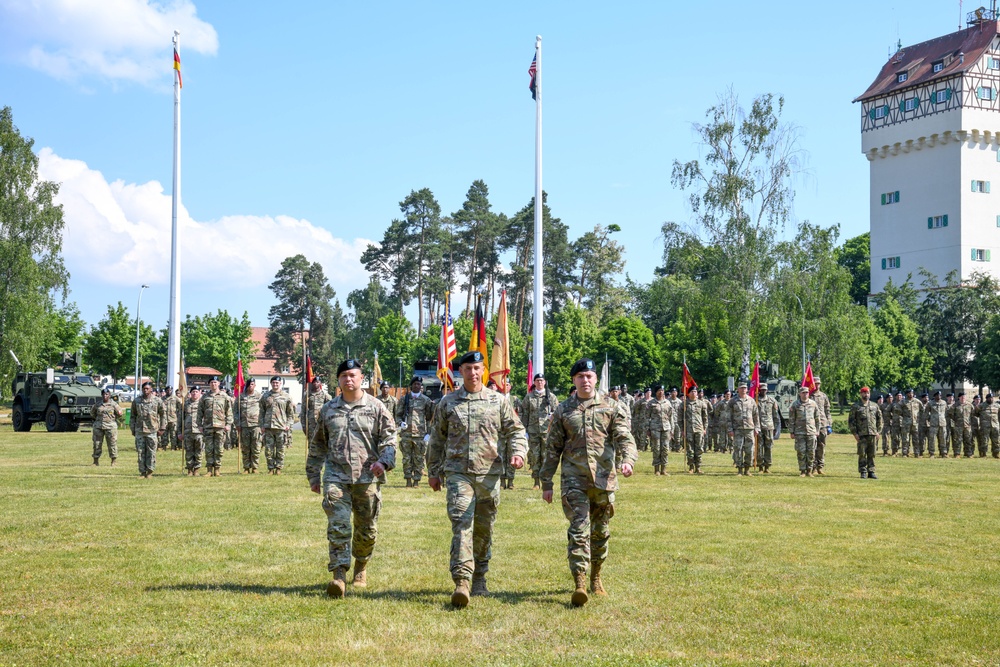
<point>101,567</point>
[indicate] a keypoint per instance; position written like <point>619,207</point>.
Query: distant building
<point>929,128</point>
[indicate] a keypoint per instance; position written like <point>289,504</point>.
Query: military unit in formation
<point>913,426</point>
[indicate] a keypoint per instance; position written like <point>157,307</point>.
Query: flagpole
<point>684,413</point>
<point>538,339</point>
<point>174,319</point>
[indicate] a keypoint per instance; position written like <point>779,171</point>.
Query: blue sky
<point>303,127</point>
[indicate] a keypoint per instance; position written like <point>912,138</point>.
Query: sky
<point>305,124</point>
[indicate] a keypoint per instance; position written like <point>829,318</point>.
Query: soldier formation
<point>939,426</point>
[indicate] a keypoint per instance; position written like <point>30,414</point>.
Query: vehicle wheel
<point>66,423</point>
<point>19,419</point>
<point>52,421</point>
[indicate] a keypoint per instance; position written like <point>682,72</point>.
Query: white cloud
<point>118,229</point>
<point>117,40</point>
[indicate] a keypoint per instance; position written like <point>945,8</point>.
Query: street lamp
<point>400,383</point>
<point>138,305</point>
<point>803,334</point>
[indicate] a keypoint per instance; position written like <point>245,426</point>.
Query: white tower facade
<point>930,128</point>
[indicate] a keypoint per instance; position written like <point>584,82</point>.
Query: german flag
<point>478,339</point>
<point>177,66</point>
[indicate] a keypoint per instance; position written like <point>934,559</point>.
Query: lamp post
<point>400,383</point>
<point>135,388</point>
<point>803,334</point>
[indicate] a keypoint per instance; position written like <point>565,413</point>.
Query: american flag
<point>533,70</point>
<point>447,350</point>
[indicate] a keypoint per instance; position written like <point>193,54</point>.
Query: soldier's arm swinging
<point>436,445</point>
<point>317,450</point>
<point>386,442</point>
<point>552,449</point>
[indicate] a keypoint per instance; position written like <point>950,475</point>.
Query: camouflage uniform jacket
<point>537,409</point>
<point>886,409</point>
<point>106,415</point>
<point>989,415</point>
<point>660,415</point>
<point>975,417</point>
<point>250,410</point>
<point>215,410</point>
<point>696,416</point>
<point>865,419</point>
<point>585,437</point>
<point>171,405</point>
<point>466,432</point>
<point>823,403</point>
<point>417,413</point>
<point>349,439</point>
<point>722,414</point>
<point>962,416</point>
<point>389,402</point>
<point>148,416</point>
<point>743,414</point>
<point>909,413</point>
<point>925,413</point>
<point>277,411</point>
<point>314,403</point>
<point>678,409</point>
<point>803,417</point>
<point>767,413</point>
<point>190,412</point>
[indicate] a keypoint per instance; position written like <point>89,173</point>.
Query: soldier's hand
<point>434,483</point>
<point>378,469</point>
<point>627,469</point>
<point>547,496</point>
<point>516,462</point>
<point>159,433</point>
<point>314,487</point>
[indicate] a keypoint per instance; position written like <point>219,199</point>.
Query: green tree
<point>702,346</point>
<point>61,330</point>
<point>422,215</point>
<point>31,265</point>
<point>110,347</point>
<point>855,256</point>
<point>477,228</point>
<point>218,340</point>
<point>599,260</point>
<point>912,363</point>
<point>986,365</point>
<point>394,337</point>
<point>573,335</point>
<point>391,261</point>
<point>631,346</point>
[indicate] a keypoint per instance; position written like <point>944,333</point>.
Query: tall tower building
<point>930,128</point>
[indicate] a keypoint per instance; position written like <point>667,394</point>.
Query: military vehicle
<point>427,371</point>
<point>60,398</point>
<point>784,391</point>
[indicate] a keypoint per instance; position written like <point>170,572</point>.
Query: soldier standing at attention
<point>961,439</point>
<point>744,424</point>
<point>989,422</point>
<point>865,422</point>
<point>897,422</point>
<point>414,414</point>
<point>803,417</point>
<point>215,416</point>
<point>464,448</point>
<point>949,430</point>
<point>675,433</point>
<point>639,420</point>
<point>194,445</point>
<point>886,408</point>
<point>312,404</point>
<point>536,412</point>
<point>388,400</point>
<point>723,414</point>
<point>695,427</point>
<point>923,430</point>
<point>249,427</point>
<point>589,431</point>
<point>106,415</point>
<point>659,427</point>
<point>147,424</point>
<point>170,406</point>
<point>770,427</point>
<point>936,423</point>
<point>977,442</point>
<point>352,448</point>
<point>825,427</point>
<point>909,411</point>
<point>277,414</point>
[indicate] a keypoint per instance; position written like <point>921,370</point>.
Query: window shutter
<point>987,255</point>
<point>897,263</point>
<point>871,113</point>
<point>987,187</point>
<point>883,199</point>
<point>973,254</point>
<point>883,263</point>
<point>885,111</point>
<point>944,221</point>
<point>902,106</point>
<point>930,223</point>
<point>947,94</point>
<point>895,197</point>
<point>979,92</point>
<point>973,186</point>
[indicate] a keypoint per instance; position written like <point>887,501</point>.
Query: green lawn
<point>101,567</point>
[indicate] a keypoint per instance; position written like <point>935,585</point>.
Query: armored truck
<point>60,398</point>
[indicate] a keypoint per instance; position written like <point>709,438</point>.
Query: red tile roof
<point>918,60</point>
<point>201,370</point>
<point>265,365</point>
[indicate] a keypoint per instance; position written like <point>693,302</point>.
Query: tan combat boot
<point>536,485</point>
<point>580,596</point>
<point>510,482</point>
<point>479,588</point>
<point>596,587</point>
<point>460,598</point>
<point>409,483</point>
<point>114,461</point>
<point>336,588</point>
<point>96,463</point>
<point>360,577</point>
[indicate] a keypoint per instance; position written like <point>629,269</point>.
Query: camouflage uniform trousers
<point>504,452</point>
<point>695,446</point>
<point>194,449</point>
<point>819,459</point>
<point>641,441</point>
<point>805,448</point>
<point>250,445</point>
<point>895,432</point>
<point>659,443</point>
<point>472,508</point>
<point>743,447</point>
<point>908,435</point>
<point>99,435</point>
<point>764,448</point>
<point>994,442</point>
<point>918,442</point>
<point>982,437</point>
<point>866,453</point>
<point>885,440</point>
<point>676,439</point>
<point>232,439</point>
<point>589,513</point>
<point>923,433</point>
<point>215,445</point>
<point>726,441</point>
<point>536,445</point>
<point>169,438</point>
<point>274,448</point>
<point>341,502</point>
<point>961,442</point>
<point>935,434</point>
<point>145,447</point>
<point>413,449</point>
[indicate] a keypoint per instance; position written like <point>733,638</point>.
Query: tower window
<point>901,77</point>
<point>992,63</point>
<point>911,104</point>
<point>941,96</point>
<point>980,255</point>
<point>937,221</point>
<point>981,186</point>
<point>890,198</point>
<point>986,93</point>
<point>937,67</point>
<point>890,263</point>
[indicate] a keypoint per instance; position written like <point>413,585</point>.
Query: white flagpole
<point>537,333</point>
<point>174,320</point>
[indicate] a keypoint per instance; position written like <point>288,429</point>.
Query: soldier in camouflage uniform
<point>639,416</point>
<point>507,477</point>
<point>885,405</point>
<point>825,426</point>
<point>147,424</point>
<point>770,427</point>
<point>388,400</point>
<point>924,428</point>
<point>589,432</point>
<point>311,404</point>
<point>615,394</point>
<point>659,427</point>
<point>170,406</point>
<point>414,414</point>
<point>977,442</point>
<point>937,422</point>
<point>467,427</point>
<point>352,447</point>
<point>695,416</point>
<point>989,424</point>
<point>744,425</point>
<point>232,439</point>
<point>723,414</point>
<point>194,444</point>
<point>961,434</point>
<point>277,414</point>
<point>909,419</point>
<point>105,415</point>
<point>865,422</point>
<point>675,434</point>
<point>896,429</point>
<point>249,427</point>
<point>536,411</point>
<point>949,425</point>
<point>803,420</point>
<point>215,416</point>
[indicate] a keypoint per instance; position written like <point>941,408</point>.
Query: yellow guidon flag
<point>177,66</point>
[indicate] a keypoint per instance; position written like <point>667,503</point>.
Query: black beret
<point>909,391</point>
<point>474,357</point>
<point>582,366</point>
<point>417,380</point>
<point>923,395</point>
<point>657,388</point>
<point>951,394</point>
<point>106,391</point>
<point>539,376</point>
<point>383,383</point>
<point>214,378</point>
<point>348,364</point>
<point>937,393</point>
<point>961,394</point>
<point>195,387</point>
<point>615,388</point>
<point>146,384</point>
<point>989,395</point>
<point>275,377</point>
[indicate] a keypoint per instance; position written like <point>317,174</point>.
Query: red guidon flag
<point>807,380</point>
<point>177,66</point>
<point>755,380</point>
<point>687,381</point>
<point>238,389</point>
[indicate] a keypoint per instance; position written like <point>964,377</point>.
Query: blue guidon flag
<point>532,70</point>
